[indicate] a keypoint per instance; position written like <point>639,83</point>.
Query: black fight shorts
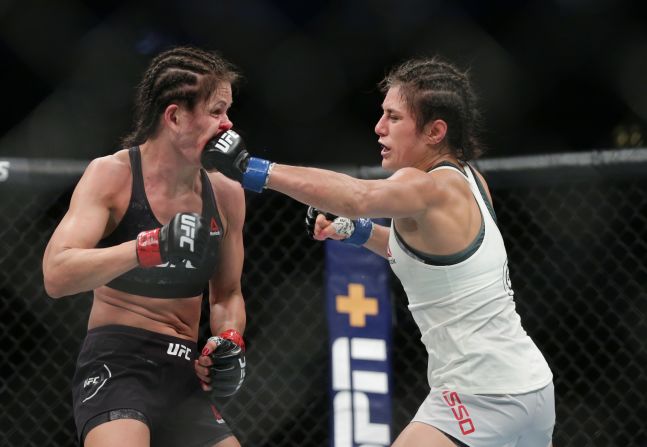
<point>127,372</point>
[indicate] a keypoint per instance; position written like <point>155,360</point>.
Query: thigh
<point>418,434</point>
<point>540,431</point>
<point>228,442</point>
<point>123,432</point>
<point>536,439</point>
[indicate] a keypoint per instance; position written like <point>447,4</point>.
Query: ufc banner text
<point>359,323</point>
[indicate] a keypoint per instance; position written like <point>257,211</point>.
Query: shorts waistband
<point>142,334</point>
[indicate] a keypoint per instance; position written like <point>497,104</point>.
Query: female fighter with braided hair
<point>148,230</point>
<point>490,384</point>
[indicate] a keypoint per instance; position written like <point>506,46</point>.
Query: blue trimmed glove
<point>226,153</point>
<point>357,231</point>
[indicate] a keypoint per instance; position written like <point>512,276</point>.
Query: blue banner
<point>359,323</point>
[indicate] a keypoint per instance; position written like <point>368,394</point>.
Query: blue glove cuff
<point>255,175</point>
<point>362,233</point>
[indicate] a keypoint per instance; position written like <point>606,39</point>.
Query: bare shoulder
<point>409,174</point>
<point>110,169</point>
<point>230,198</point>
<point>107,176</point>
<point>413,177</point>
<point>427,183</point>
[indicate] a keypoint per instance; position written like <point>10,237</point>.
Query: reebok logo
<point>389,255</point>
<point>178,350</point>
<point>217,415</point>
<point>214,230</point>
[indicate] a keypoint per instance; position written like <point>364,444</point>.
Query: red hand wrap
<point>148,248</point>
<point>233,335</point>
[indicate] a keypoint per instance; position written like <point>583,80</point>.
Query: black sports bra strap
<point>209,204</point>
<point>138,192</point>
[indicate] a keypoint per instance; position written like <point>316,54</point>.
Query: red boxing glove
<point>148,248</point>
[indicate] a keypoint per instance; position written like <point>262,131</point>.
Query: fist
<point>183,238</point>
<point>222,365</point>
<point>226,153</point>
<point>321,225</point>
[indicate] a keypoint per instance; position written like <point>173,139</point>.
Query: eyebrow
<point>220,103</point>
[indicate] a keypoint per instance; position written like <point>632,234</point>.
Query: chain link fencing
<point>576,234</point>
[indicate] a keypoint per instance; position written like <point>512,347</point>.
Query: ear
<point>172,116</point>
<point>435,131</point>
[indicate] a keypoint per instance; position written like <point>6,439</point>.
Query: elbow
<point>53,291</point>
<point>54,288</point>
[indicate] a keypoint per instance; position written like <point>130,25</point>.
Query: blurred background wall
<point>553,75</point>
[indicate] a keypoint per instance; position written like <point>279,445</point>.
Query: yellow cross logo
<point>356,305</point>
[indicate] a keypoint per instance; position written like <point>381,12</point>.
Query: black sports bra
<point>165,280</point>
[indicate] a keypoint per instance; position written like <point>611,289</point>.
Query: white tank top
<point>467,317</point>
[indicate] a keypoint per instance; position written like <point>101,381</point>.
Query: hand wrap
<point>357,231</point>
<point>311,219</point>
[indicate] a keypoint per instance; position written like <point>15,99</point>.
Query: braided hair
<point>184,75</point>
<point>435,89</point>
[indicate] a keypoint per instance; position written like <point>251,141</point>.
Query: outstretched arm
<point>406,193</point>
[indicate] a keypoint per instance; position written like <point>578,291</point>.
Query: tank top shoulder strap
<point>447,165</point>
<point>138,193</point>
<point>471,177</point>
<point>209,205</point>
<point>471,173</point>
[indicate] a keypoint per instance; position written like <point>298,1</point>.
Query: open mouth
<point>385,150</point>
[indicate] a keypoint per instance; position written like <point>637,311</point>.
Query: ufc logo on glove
<point>188,228</point>
<point>225,141</point>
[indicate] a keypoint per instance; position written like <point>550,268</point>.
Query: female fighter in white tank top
<point>466,313</point>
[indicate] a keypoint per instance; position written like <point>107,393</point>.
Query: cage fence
<point>576,233</point>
